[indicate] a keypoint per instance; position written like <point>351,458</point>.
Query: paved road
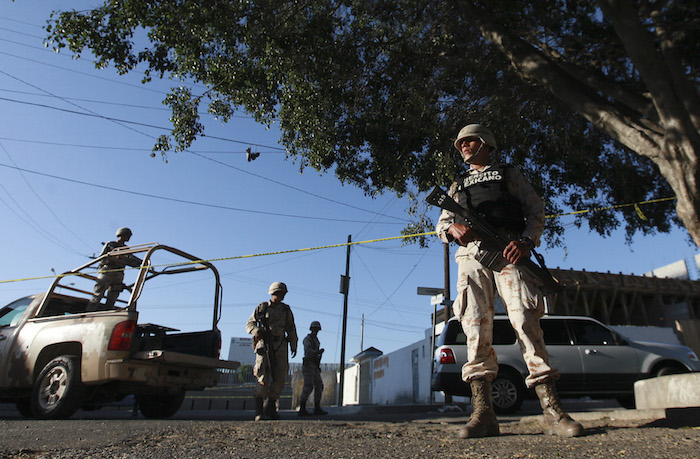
<point>346,433</point>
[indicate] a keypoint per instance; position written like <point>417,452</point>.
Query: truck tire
<point>160,406</point>
<point>58,391</point>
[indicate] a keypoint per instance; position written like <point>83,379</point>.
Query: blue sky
<point>82,139</point>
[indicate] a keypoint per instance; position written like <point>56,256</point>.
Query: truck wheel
<point>507,392</point>
<point>58,391</point>
<point>160,406</point>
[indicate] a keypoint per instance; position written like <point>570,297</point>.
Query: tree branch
<point>647,59</point>
<point>532,63</point>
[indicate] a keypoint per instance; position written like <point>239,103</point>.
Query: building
<point>241,350</point>
<point>667,308</point>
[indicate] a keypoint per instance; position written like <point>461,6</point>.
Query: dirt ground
<point>425,436</point>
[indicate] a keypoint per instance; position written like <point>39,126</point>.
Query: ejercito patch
<point>491,175</point>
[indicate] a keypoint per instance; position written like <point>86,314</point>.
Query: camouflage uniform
<point>111,275</point>
<point>524,303</point>
<point>311,369</point>
<point>280,321</point>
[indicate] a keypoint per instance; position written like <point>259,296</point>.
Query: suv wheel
<point>508,392</point>
<point>669,370</point>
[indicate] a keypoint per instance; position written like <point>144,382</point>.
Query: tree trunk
<point>670,138</point>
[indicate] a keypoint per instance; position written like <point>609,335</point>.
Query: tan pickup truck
<point>59,352</point>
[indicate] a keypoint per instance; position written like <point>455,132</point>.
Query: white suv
<point>592,359</point>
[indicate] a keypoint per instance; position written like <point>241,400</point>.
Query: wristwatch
<point>528,242</point>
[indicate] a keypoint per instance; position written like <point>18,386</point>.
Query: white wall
<point>351,395</point>
<point>392,376</point>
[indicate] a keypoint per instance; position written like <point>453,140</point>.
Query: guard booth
<point>358,378</point>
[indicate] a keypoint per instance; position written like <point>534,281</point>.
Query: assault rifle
<point>269,351</point>
<point>490,237</point>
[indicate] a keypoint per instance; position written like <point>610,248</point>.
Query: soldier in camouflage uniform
<point>501,194</point>
<point>111,272</point>
<point>311,370</point>
<point>272,327</point>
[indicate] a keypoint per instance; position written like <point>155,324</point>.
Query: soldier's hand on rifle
<point>516,251</point>
<point>462,234</point>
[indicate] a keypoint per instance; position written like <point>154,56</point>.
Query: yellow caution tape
<point>344,244</point>
<point>618,206</point>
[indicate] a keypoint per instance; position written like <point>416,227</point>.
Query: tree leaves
<point>375,90</point>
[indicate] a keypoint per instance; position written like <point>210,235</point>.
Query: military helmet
<point>124,232</point>
<point>476,130</point>
<point>315,325</point>
<point>277,287</point>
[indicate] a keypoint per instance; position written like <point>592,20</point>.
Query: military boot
<point>271,409</point>
<point>259,410</point>
<point>483,422</point>
<point>556,421</point>
<point>318,410</point>
<point>302,409</point>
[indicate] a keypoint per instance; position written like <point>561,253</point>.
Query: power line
<point>103,102</point>
<point>84,73</point>
<point>117,120</point>
<point>106,147</point>
<point>183,201</point>
<point>44,203</point>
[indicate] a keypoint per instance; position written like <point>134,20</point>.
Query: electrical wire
<point>185,201</point>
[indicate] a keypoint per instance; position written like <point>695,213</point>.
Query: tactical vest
<point>487,194</point>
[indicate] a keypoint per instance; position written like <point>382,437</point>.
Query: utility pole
<point>344,289</point>
<point>447,306</point>
<point>446,292</point>
<point>362,334</point>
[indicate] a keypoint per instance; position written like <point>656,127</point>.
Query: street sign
<point>437,299</point>
<point>429,291</point>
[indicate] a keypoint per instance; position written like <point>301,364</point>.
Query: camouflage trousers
<point>111,282</point>
<point>266,387</point>
<point>312,383</point>
<point>474,307</point>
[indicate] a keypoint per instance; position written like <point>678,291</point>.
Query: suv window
<point>454,333</point>
<point>586,332</point>
<point>555,332</point>
<point>503,332</point>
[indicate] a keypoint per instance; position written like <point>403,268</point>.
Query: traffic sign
<point>430,291</point>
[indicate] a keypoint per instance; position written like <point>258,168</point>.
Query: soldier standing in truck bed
<point>111,271</point>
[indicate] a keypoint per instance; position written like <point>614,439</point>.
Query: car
<point>593,360</point>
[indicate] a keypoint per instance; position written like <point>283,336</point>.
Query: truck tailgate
<point>178,358</point>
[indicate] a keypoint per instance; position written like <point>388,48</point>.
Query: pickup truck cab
<point>58,354</point>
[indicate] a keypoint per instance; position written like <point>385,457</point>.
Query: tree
<point>598,104</point>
